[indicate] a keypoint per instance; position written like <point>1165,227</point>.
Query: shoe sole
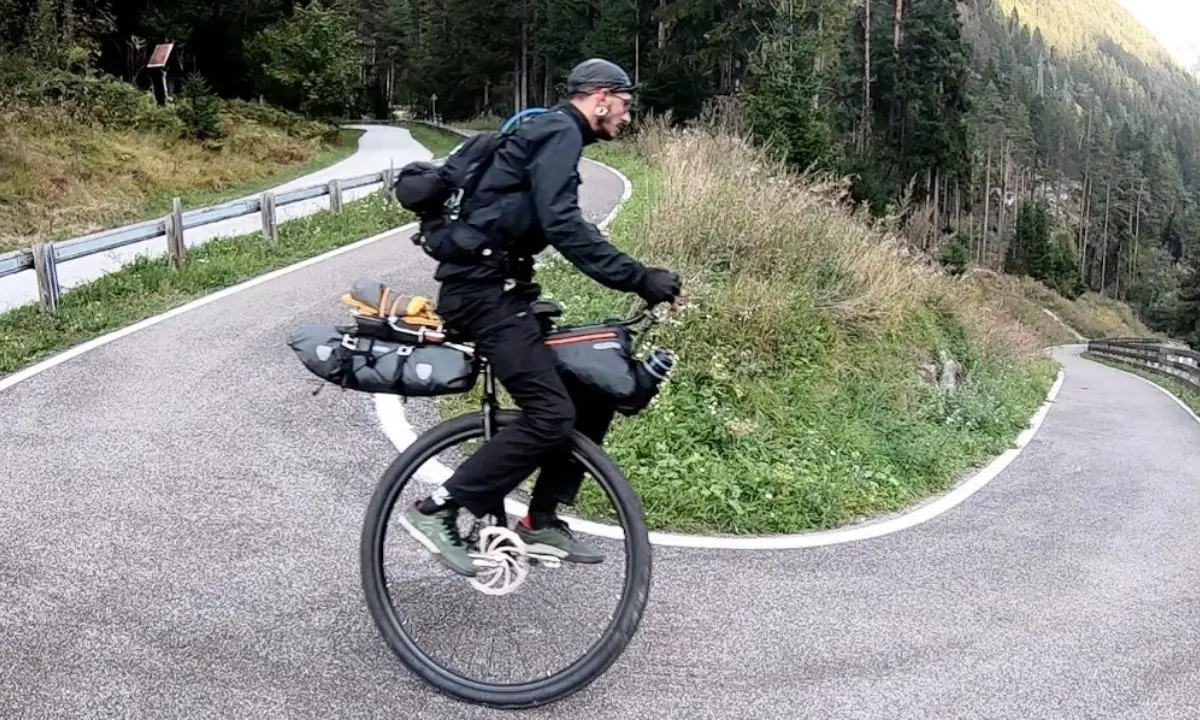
<point>544,549</point>
<point>431,547</point>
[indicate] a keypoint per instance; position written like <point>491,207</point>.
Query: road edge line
<point>1156,386</point>
<point>77,350</point>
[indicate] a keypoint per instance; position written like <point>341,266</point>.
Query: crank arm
<point>550,561</point>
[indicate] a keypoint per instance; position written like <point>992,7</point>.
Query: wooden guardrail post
<point>270,229</point>
<point>175,244</point>
<point>47,275</point>
<point>335,195</point>
<point>389,184</point>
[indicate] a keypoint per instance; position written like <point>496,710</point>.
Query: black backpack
<point>438,194</point>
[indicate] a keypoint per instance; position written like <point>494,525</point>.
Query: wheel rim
<point>595,655</point>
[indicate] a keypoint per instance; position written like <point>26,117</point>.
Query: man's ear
<point>601,108</point>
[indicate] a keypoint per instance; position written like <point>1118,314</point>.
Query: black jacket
<point>529,199</point>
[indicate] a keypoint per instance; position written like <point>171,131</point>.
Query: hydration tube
<point>512,121</point>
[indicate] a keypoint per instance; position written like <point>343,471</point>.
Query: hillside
<point>825,373</point>
<point>1046,151</point>
<point>1080,26</point>
<point>1112,144</point>
<point>79,154</point>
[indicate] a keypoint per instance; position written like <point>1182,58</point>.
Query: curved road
<point>181,526</point>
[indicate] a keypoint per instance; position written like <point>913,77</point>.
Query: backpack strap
<point>467,192</point>
<point>506,129</point>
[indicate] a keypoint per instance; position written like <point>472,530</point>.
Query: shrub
<point>200,109</point>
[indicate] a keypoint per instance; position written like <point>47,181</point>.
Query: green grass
<point>148,287</point>
<point>436,141</point>
<point>783,414</point>
<point>1188,395</point>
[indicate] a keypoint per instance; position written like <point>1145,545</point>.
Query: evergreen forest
<point>1053,139</point>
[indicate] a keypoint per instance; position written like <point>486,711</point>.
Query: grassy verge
<point>796,404</point>
<point>481,122</point>
<point>63,175</point>
<point>436,141</point>
<point>160,203</point>
<point>147,287</point>
<point>1014,299</point>
<point>1090,314</point>
<point>1190,397</point>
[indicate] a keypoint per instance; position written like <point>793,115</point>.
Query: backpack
<point>438,194</point>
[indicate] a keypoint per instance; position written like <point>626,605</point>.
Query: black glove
<point>660,286</point>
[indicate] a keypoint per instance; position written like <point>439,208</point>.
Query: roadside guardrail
<point>1154,355</point>
<point>43,258</point>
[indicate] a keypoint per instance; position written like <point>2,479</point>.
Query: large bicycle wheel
<point>457,603</point>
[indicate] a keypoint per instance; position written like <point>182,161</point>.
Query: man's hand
<point>661,286</point>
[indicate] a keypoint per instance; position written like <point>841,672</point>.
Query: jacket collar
<point>589,135</point>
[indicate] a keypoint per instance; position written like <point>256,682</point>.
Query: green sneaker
<point>555,538</point>
<point>439,534</point>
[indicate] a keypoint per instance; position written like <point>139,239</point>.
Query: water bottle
<point>659,365</point>
<point>650,374</point>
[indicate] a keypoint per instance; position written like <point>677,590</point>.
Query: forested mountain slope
<point>1113,141</point>
<point>1081,25</point>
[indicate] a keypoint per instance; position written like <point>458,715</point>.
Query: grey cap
<point>598,74</point>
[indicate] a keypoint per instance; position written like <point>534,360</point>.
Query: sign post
<point>158,67</point>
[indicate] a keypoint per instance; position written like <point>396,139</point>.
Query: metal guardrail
<point>43,258</point>
<point>1154,355</point>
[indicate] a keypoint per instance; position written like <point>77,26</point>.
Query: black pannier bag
<point>601,358</point>
<point>598,356</point>
<point>376,365</point>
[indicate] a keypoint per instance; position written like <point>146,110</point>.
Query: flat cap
<point>598,74</point>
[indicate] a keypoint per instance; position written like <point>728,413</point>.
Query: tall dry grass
<point>796,402</point>
<point>60,177</point>
<point>746,227</point>
<point>1090,314</point>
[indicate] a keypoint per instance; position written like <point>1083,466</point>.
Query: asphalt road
<point>181,526</point>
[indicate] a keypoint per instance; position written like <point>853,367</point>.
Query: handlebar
<point>646,313</point>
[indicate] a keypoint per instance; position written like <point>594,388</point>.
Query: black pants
<point>504,330</point>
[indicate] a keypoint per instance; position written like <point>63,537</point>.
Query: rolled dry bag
<point>598,356</point>
<point>422,187</point>
<point>375,365</point>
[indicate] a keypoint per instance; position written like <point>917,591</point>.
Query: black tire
<point>599,657</point>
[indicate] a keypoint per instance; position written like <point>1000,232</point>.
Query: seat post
<point>489,399</point>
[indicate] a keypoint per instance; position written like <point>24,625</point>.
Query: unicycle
<point>512,582</point>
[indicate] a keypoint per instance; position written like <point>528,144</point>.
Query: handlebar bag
<point>598,356</point>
